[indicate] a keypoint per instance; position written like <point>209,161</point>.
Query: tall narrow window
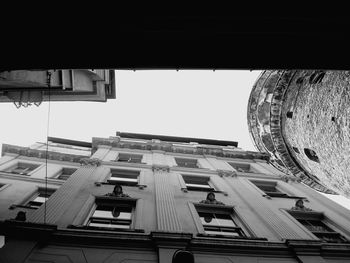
<point>220,224</point>
<point>186,162</point>
<point>22,168</point>
<point>197,183</point>
<point>219,221</point>
<point>124,177</point>
<point>114,213</point>
<point>241,167</point>
<point>129,158</point>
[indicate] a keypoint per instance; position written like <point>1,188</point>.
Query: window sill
<point>204,191</point>
<point>286,196</point>
<point>22,206</point>
<point>140,186</point>
<point>82,227</point>
<point>230,237</point>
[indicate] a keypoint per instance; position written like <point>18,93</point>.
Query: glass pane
<point>225,220</point>
<point>107,212</point>
<point>229,233</point>
<point>199,186</point>
<point>120,179</point>
<point>40,199</point>
<point>208,219</point>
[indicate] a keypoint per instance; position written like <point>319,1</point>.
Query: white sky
<point>191,103</point>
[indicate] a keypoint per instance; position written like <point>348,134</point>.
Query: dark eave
<point>69,142</point>
<point>176,139</point>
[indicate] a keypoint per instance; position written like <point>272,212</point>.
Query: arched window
<point>311,155</point>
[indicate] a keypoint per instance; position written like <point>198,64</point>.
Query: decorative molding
<point>160,168</point>
<point>90,162</point>
<point>41,154</point>
<point>168,147</point>
<point>226,173</point>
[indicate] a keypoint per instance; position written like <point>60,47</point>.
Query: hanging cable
<point>48,82</point>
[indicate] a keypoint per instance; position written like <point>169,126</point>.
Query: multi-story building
<point>26,87</point>
<point>57,204</point>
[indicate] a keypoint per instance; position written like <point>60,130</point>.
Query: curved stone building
<point>302,119</point>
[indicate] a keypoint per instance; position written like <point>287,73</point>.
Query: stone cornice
<point>41,154</point>
<point>168,147</point>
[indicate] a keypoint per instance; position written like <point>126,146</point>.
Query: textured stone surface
<point>320,102</point>
<point>313,107</point>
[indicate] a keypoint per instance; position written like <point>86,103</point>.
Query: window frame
<point>182,159</point>
<point>271,194</point>
<point>18,163</point>
<point>296,215</point>
<point>243,165</point>
<point>241,226</point>
<point>37,193</point>
<point>112,201</point>
<point>130,159</point>
<point>62,170</point>
<point>92,217</point>
<point>122,182</point>
<point>211,188</point>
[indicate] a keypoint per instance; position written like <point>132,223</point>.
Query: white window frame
<point>184,158</point>
<point>229,210</point>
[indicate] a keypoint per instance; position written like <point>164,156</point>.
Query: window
<point>219,221</point>
<point>129,158</point>
<point>39,198</point>
<point>108,216</point>
<point>124,177</point>
<point>241,167</point>
<point>296,149</point>
<point>66,173</point>
<point>185,162</point>
<point>311,155</point>
<point>315,223</point>
<point>22,168</point>
<point>112,213</point>
<point>290,114</point>
<point>197,183</point>
<point>270,188</point>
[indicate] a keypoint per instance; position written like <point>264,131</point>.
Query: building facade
<point>301,118</point>
<point>26,87</point>
<point>61,202</point>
